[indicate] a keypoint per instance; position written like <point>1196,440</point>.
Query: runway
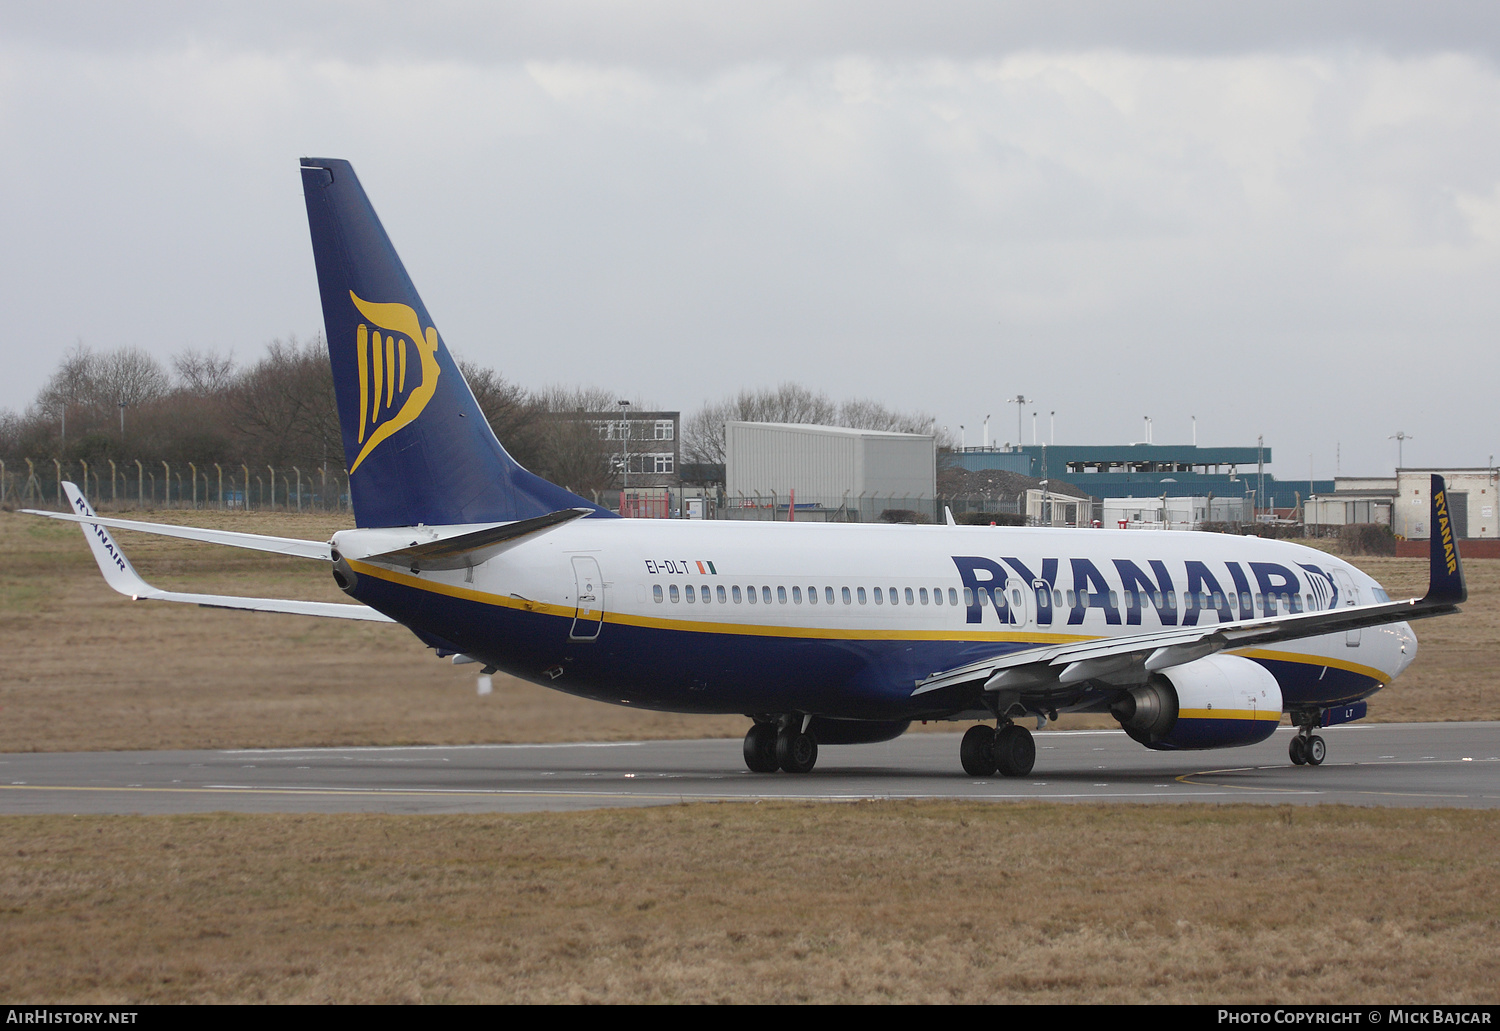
<point>1420,764</point>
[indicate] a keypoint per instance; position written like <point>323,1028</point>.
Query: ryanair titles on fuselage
<point>1224,588</point>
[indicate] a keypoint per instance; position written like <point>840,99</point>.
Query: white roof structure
<point>827,463</point>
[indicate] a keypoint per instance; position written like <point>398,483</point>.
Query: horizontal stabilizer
<point>475,547</point>
<point>121,575</point>
<point>292,546</point>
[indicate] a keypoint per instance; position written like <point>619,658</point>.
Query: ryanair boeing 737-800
<point>822,634</point>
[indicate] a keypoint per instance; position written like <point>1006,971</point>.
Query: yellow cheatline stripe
<point>1314,660</point>
<point>745,630</point>
<point>1230,714</point>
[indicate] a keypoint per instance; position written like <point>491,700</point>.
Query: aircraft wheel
<point>1015,751</point>
<point>760,749</point>
<point>796,752</point>
<point>1297,750</point>
<point>977,751</point>
<point>1317,751</point>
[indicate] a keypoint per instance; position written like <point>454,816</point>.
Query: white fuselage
<point>882,606</point>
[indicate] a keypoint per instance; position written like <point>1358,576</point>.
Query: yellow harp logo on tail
<point>383,374</point>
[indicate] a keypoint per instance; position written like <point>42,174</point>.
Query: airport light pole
<point>1020,401</point>
<point>624,452</point>
<point>1400,437</point>
<point>1260,470</point>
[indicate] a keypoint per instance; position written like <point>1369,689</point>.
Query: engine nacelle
<point>1218,702</point>
<point>855,732</point>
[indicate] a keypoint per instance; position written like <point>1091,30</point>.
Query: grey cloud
<point>697,35</point>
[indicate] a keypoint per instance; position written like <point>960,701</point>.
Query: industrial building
<point>1355,500</point>
<point>1471,503</point>
<point>826,472</point>
<point>1174,513</point>
<point>1150,470</point>
<point>1402,503</point>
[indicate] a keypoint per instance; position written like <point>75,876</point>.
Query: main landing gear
<point>1307,748</point>
<point>1007,749</point>
<point>786,746</point>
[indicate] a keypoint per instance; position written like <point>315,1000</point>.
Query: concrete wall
<point>1478,518</point>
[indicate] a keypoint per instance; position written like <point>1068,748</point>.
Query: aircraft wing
<point>1083,660</point>
<point>121,575</point>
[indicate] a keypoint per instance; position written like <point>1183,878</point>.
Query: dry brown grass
<point>739,902</point>
<point>83,669</point>
<point>870,902</point>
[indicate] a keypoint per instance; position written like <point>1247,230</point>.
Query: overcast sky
<point>1281,218</point>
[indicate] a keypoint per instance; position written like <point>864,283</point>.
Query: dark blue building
<point>1149,470</point>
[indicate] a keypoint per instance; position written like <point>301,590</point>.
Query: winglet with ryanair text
<point>121,575</point>
<point>1445,582</point>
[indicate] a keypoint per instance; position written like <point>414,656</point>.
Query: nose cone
<point>1407,652</point>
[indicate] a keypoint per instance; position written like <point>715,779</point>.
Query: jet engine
<point>1217,702</point>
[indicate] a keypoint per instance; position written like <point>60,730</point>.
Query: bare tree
<point>577,451</point>
<point>87,388</point>
<point>703,432</point>
<point>515,416</point>
<point>284,405</point>
<point>204,372</point>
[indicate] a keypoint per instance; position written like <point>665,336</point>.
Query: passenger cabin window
<point>781,595</point>
<point>765,594</point>
<point>721,594</point>
<point>861,591</point>
<point>736,592</point>
<point>656,593</point>
<point>879,597</point>
<point>673,590</point>
<point>847,598</point>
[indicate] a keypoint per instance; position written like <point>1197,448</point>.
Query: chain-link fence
<point>118,486</point>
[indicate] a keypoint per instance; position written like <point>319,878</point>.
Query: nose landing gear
<point>1307,748</point>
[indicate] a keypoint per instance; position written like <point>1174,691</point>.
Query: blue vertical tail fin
<point>417,446</point>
